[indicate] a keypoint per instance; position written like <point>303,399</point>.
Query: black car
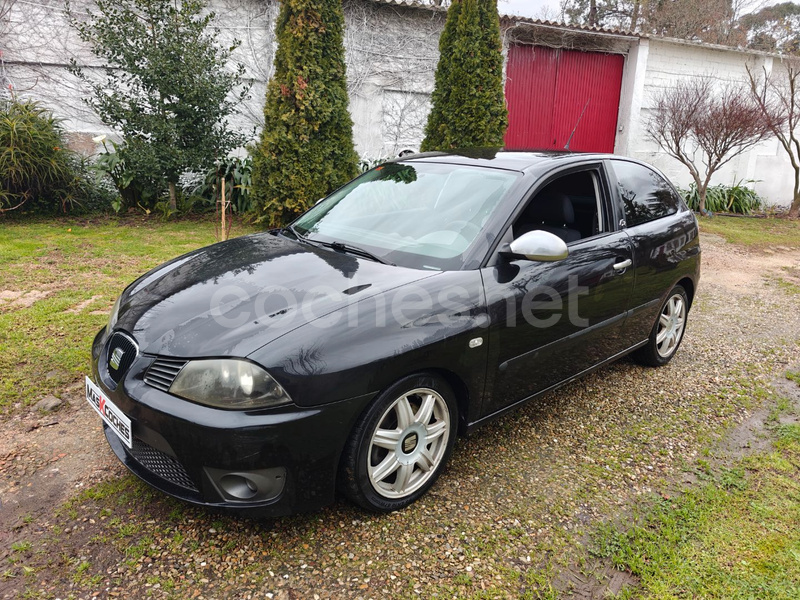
<point>424,298</point>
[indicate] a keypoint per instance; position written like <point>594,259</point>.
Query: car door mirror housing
<point>538,245</point>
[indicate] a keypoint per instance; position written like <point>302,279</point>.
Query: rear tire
<point>668,330</point>
<point>400,446</point>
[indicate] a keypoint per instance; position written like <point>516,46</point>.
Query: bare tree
<point>704,128</point>
<point>778,99</point>
<point>548,12</point>
<point>404,117</point>
<point>5,83</point>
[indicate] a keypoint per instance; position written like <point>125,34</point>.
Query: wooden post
<point>224,229</point>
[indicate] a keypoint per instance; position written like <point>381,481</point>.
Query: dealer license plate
<point>113,416</point>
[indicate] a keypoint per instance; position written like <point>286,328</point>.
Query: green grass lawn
<point>735,536</point>
<point>754,233</point>
<point>77,268</point>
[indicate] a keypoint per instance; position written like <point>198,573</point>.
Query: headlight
<point>228,383</point>
<point>112,319</point>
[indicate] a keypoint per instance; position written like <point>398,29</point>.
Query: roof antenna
<point>585,106</point>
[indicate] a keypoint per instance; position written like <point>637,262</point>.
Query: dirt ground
<point>48,459</point>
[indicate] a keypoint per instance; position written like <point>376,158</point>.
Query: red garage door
<point>548,91</point>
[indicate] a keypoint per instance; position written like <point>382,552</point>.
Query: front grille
<point>161,464</point>
<point>120,354</point>
<point>163,372</point>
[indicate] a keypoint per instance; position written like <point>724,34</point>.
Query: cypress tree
<point>306,148</point>
<point>437,130</point>
<point>469,108</point>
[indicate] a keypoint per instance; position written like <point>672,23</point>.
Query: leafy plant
<point>89,195</point>
<point>166,87</point>
<point>469,106</point>
<point>306,147</point>
<point>238,175</point>
<point>736,198</point>
<point>35,167</point>
<point>134,189</point>
<point>164,210</point>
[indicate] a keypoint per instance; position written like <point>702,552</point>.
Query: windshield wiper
<point>298,236</point>
<point>340,247</point>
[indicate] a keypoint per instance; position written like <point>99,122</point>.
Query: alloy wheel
<point>409,443</point>
<point>671,324</point>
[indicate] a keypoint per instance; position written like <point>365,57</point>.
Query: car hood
<point>234,297</point>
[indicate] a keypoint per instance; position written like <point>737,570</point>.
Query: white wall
<point>668,61</point>
<point>391,54</point>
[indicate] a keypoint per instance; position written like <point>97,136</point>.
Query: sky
<point>551,8</point>
<point>528,8</point>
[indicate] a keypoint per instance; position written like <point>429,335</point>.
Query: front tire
<point>401,444</point>
<point>667,333</point>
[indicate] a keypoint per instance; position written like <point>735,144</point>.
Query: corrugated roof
<point>514,18</point>
<point>564,26</point>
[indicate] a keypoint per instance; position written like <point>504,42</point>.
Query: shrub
<point>306,147</point>
<point>736,198</point>
<point>135,189</point>
<point>89,195</point>
<point>36,170</point>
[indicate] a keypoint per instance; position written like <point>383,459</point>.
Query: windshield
<point>421,215</point>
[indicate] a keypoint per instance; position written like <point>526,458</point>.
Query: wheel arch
<point>688,285</point>
<point>347,473</point>
<point>455,381</point>
<point>461,392</point>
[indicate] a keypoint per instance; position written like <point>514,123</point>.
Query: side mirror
<point>539,245</point>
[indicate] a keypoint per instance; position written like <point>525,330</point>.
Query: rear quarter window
<point>645,194</point>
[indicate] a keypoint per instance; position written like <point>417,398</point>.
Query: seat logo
<point>116,358</point>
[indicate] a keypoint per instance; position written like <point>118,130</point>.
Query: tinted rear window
<point>645,194</point>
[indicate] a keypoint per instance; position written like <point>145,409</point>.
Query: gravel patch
<point>509,518</point>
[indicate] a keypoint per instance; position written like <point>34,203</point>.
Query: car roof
<point>505,159</point>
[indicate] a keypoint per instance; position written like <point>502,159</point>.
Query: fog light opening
<point>261,485</point>
<point>239,486</point>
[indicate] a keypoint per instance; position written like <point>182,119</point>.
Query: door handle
<point>621,266</point>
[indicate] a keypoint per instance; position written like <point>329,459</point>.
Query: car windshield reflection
<point>422,215</point>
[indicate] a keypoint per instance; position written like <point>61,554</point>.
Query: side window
<point>645,194</point>
<point>569,207</point>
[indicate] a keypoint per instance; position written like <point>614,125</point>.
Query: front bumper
<point>289,455</point>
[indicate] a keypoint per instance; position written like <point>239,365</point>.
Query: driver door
<point>550,321</point>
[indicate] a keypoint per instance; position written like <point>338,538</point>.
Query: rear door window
<point>645,194</point>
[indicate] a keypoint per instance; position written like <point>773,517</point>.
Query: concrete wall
<point>391,54</point>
